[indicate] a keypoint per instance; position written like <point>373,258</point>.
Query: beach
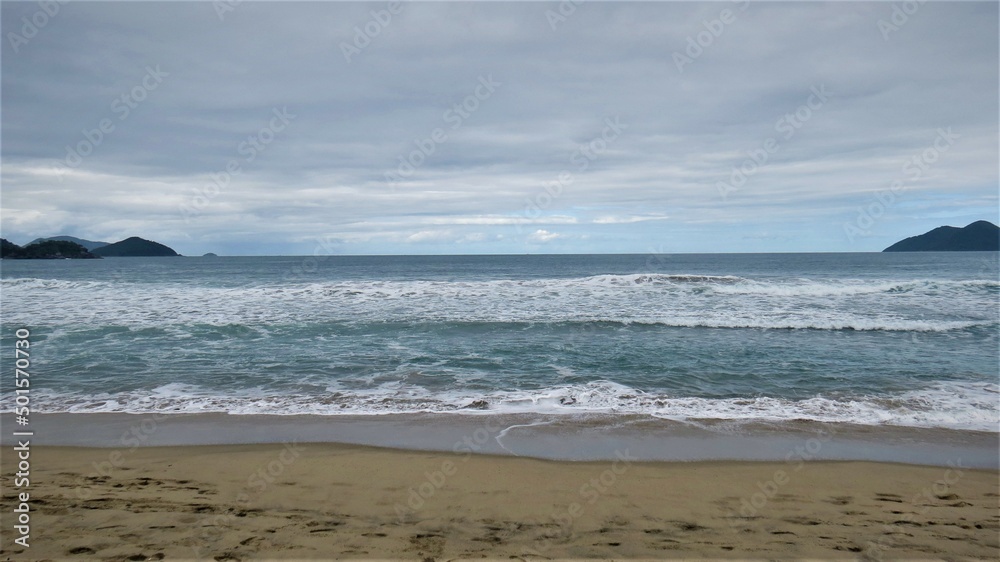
<point>324,501</point>
<point>442,281</point>
<point>527,407</point>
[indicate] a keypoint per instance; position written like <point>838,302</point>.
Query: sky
<point>266,128</point>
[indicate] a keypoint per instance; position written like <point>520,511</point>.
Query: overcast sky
<point>499,127</point>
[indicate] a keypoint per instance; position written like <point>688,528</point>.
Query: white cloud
<point>628,219</point>
<point>543,236</point>
<point>501,221</point>
<point>431,236</point>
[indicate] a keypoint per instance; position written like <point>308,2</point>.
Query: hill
<point>135,247</point>
<point>46,250</point>
<point>88,244</point>
<point>980,236</point>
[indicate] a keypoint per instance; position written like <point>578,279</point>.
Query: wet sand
<point>556,437</point>
<point>323,501</point>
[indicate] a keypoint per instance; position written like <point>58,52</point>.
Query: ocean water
<point>868,339</point>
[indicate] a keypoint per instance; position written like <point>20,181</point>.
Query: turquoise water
<point>871,339</point>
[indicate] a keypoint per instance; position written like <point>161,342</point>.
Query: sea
<point>858,339</point>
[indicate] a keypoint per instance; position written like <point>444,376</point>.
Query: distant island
<point>135,247</point>
<point>88,244</point>
<point>980,236</point>
<point>45,250</point>
<point>69,247</point>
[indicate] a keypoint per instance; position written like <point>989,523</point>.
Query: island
<point>980,236</point>
<point>46,250</point>
<point>135,247</point>
<point>69,247</point>
<point>88,244</point>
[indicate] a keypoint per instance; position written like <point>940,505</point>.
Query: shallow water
<point>865,339</point>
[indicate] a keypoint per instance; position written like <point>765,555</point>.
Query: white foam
<point>660,279</point>
<point>967,406</point>
<point>680,300</point>
<point>850,287</point>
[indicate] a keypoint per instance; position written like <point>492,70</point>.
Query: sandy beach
<point>324,501</point>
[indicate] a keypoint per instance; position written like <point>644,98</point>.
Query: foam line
<point>503,433</point>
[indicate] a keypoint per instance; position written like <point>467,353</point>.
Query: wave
<point>954,405</point>
<point>617,280</point>
<point>807,288</point>
<point>833,324</point>
<point>660,279</point>
<point>718,284</point>
<point>677,300</point>
<point>51,284</point>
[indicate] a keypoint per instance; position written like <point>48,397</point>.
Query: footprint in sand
<point>428,542</point>
<point>839,500</point>
<point>802,521</point>
<point>879,497</point>
<point>688,526</point>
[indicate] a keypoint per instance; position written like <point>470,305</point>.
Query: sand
<point>324,501</point>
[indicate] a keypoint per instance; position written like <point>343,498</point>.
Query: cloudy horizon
<point>258,128</point>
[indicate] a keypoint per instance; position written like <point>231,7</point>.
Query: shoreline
<point>347,501</point>
<point>562,437</point>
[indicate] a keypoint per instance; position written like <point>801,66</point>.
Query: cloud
<point>628,219</point>
<point>431,236</point>
<point>485,171</point>
<point>542,236</point>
